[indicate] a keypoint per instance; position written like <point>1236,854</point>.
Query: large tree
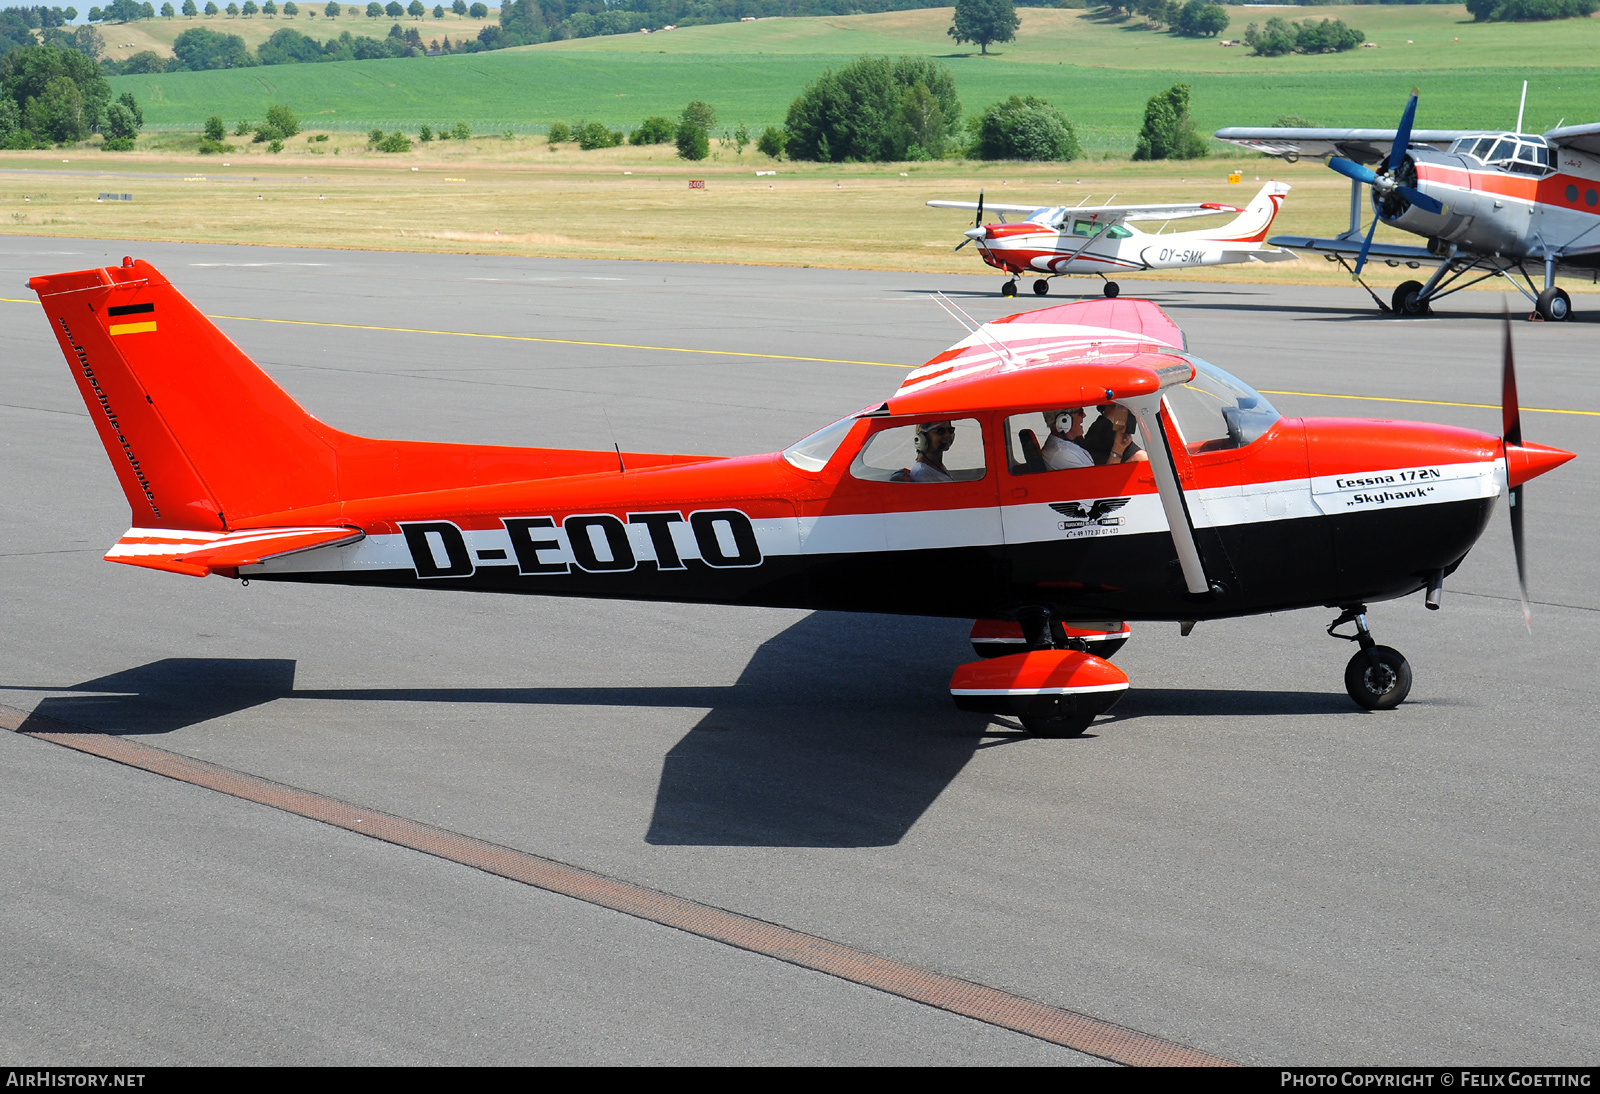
<point>984,21</point>
<point>875,109</point>
<point>1169,132</point>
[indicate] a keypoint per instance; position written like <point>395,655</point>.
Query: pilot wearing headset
<point>932,440</point>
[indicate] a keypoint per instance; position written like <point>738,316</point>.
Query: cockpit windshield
<point>1519,152</point>
<point>1217,411</point>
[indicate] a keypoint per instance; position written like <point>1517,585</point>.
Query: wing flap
<point>197,554</point>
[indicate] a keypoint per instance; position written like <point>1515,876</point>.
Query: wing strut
<point>1148,411</point>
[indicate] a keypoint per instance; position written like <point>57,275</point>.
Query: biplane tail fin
<point>199,435</point>
<point>1252,225</point>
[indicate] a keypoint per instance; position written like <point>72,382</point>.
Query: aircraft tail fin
<point>204,441</point>
<point>1252,225</point>
<point>199,435</point>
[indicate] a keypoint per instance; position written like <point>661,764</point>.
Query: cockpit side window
<point>1088,228</point>
<point>928,452</point>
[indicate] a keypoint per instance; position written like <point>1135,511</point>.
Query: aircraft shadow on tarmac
<point>838,732</point>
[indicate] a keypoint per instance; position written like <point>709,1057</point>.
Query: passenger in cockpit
<point>1064,448</point>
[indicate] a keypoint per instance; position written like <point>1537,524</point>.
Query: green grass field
<point>1099,73</point>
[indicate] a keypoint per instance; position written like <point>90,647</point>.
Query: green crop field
<point>1100,73</point>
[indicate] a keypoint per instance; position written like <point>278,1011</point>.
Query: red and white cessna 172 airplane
<point>1058,240</point>
<point>1489,203</point>
<point>1188,498</point>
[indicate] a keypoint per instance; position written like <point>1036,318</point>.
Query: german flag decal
<point>141,327</point>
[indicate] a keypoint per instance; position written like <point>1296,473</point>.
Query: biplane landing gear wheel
<point>1378,678</point>
<point>1056,728</point>
<point>1554,305</point>
<point>1041,287</point>
<point>1405,302</point>
<point>1112,289</point>
<point>1008,289</point>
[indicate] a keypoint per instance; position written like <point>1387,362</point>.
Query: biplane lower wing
<point>1396,252</point>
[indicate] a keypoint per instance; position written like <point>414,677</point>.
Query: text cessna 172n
<point>1058,240</point>
<point>1489,203</point>
<point>1187,498</point>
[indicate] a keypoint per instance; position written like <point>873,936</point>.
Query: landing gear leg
<point>1009,288</point>
<point>1042,632</point>
<point>1553,305</point>
<point>1377,677</point>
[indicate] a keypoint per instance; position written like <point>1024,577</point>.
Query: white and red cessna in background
<point>939,501</point>
<point>1058,240</point>
<point>1489,203</point>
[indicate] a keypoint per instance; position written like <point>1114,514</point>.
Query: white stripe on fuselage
<point>943,529</point>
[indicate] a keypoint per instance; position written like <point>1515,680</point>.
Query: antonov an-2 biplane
<point>1489,203</point>
<point>1050,473</point>
<point>1061,240</point>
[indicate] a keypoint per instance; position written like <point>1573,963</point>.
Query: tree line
<point>50,95</point>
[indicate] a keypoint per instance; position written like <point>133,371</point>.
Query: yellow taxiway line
<point>813,360</point>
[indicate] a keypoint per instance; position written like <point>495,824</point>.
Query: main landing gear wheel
<point>1405,302</point>
<point>1041,287</point>
<point>1008,289</point>
<point>1112,289</point>
<point>1554,305</point>
<point>1056,728</point>
<point>1378,678</point>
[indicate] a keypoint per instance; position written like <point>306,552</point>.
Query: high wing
<point>1106,214</point>
<point>1585,138</point>
<point>1362,145</point>
<point>1111,349</point>
<point>989,207</point>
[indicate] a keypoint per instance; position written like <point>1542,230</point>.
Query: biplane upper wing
<point>1362,145</point>
<point>1106,214</point>
<point>1585,138</point>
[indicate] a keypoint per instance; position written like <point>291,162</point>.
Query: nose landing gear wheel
<point>1404,302</point>
<point>1554,305</point>
<point>1041,287</point>
<point>1008,289</point>
<point>1378,678</point>
<point>1112,289</point>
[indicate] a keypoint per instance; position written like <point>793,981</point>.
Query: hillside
<point>1100,73</point>
<point>123,40</point>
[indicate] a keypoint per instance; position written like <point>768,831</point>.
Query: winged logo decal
<point>1080,514</point>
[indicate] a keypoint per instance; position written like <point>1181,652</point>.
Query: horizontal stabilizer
<point>200,553</point>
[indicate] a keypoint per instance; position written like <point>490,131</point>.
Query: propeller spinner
<point>1524,460</point>
<point>1387,182</point>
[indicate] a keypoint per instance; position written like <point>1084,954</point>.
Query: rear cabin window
<point>929,452</point>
